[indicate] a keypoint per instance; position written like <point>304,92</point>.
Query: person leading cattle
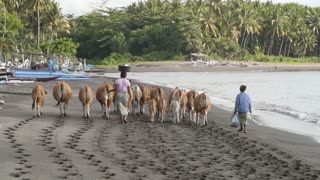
<point>242,107</point>
<point>123,87</point>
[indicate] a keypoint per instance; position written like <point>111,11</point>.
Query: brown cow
<point>183,103</point>
<point>158,95</point>
<point>130,99</point>
<point>62,93</point>
<point>180,96</point>
<point>191,95</point>
<point>106,95</point>
<point>152,109</point>
<point>174,95</point>
<point>137,95</point>
<point>202,106</point>
<point>38,96</point>
<point>161,108</point>
<point>86,98</point>
<point>174,109</point>
<point>145,97</point>
<point>155,93</point>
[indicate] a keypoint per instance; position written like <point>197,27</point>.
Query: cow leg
<point>65,105</point>
<point>193,116</point>
<point>61,112</point>
<point>41,109</point>
<point>162,117</point>
<point>88,112</point>
<point>184,113</point>
<point>141,108</point>
<point>35,109</point>
<point>198,118</point>
<point>206,118</point>
<point>178,118</point>
<point>38,110</point>
<point>133,107</point>
<point>84,111</point>
<point>103,110</point>
<point>203,118</point>
<point>107,112</point>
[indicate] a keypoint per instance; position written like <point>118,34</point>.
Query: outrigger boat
<point>45,75</point>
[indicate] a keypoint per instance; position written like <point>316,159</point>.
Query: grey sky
<point>80,7</point>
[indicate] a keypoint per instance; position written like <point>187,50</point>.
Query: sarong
<point>122,100</point>
<point>243,118</point>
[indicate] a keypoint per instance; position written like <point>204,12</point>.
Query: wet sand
<point>51,147</point>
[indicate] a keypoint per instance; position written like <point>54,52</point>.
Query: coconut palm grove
<point>155,30</point>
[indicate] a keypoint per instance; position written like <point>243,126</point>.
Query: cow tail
<point>159,94</point>
<point>142,93</point>
<point>35,99</point>
<point>62,92</point>
<point>86,91</point>
<point>136,87</point>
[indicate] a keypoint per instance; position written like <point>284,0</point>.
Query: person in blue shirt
<point>242,107</point>
<point>50,64</point>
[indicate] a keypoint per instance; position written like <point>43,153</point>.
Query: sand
<point>51,147</point>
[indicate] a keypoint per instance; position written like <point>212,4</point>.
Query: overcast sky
<point>80,7</point>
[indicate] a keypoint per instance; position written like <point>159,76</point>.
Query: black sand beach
<point>52,147</point>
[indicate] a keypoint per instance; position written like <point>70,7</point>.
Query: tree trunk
<point>288,53</point>
<point>285,47</point>
<point>281,45</point>
<point>246,41</point>
<point>270,46</point>
<point>38,14</point>
<point>242,39</point>
<point>4,31</point>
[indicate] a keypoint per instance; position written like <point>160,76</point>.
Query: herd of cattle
<point>179,101</point>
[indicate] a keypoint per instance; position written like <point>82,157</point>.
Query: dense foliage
<point>167,29</point>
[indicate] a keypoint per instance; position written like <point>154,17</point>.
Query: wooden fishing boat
<point>28,73</point>
<point>45,79</point>
<point>39,79</point>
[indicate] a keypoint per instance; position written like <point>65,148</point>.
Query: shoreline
<point>273,136</point>
<point>187,66</point>
<point>101,148</point>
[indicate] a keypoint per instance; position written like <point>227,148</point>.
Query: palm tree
<point>313,22</point>
<point>56,22</point>
<point>37,5</point>
<point>277,27</point>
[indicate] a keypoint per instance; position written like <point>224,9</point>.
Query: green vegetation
<point>155,30</point>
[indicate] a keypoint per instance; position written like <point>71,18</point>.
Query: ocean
<point>288,101</point>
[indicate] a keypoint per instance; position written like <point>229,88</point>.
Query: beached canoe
<point>45,79</point>
<point>39,79</point>
<point>45,72</point>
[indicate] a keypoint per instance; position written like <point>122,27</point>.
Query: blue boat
<point>27,73</point>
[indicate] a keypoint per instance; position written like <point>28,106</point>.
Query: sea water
<point>288,101</point>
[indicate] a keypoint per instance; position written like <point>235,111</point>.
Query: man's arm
<point>250,105</point>
<point>236,105</point>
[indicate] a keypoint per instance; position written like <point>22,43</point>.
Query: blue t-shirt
<point>243,103</point>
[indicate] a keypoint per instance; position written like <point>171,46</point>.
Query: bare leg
<point>125,118</point>
<point>241,128</point>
